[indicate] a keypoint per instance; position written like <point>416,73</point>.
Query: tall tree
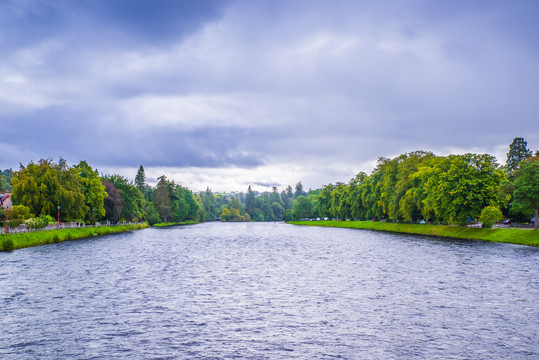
<point>299,190</point>
<point>325,200</point>
<point>287,196</point>
<point>162,199</point>
<point>302,208</point>
<point>5,180</point>
<point>526,195</point>
<point>113,203</point>
<point>93,190</point>
<point>140,180</point>
<point>518,151</point>
<point>208,201</point>
<point>250,202</point>
<point>275,197</point>
<point>358,211</point>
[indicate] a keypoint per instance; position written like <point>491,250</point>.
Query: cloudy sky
<point>234,93</point>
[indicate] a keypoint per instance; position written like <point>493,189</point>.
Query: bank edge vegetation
<point>511,236</point>
<point>10,242</point>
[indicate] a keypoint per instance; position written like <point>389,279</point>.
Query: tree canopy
<point>46,185</point>
<point>518,151</point>
<point>526,185</point>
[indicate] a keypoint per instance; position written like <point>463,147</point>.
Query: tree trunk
<point>536,219</point>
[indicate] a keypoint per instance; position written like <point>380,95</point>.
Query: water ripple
<point>269,291</point>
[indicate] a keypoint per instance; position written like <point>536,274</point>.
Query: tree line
<point>450,189</point>
<point>256,206</point>
<point>412,187</point>
<point>44,191</point>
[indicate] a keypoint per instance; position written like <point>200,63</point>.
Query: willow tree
<point>46,185</point>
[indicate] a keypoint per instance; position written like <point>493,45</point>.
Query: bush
<point>490,215</point>
<point>37,223</point>
<point>7,244</point>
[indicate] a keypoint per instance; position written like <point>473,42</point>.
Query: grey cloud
<point>316,82</point>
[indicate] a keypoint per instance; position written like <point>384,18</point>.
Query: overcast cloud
<point>228,94</point>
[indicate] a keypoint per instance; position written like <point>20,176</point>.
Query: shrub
<point>490,215</point>
<point>37,223</point>
<point>7,244</point>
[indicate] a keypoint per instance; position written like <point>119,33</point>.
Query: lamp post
<point>93,223</point>
<point>58,223</point>
<point>7,217</point>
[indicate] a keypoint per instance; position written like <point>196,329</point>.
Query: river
<point>269,291</point>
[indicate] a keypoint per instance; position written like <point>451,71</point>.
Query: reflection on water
<point>269,291</point>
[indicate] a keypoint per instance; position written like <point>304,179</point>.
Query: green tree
<point>5,180</point>
<point>400,208</point>
<point>93,190</point>
<point>162,198</point>
<point>132,199</point>
<point>45,185</point>
<point>518,151</point>
<point>287,196</point>
<point>340,202</point>
<point>18,214</point>
<point>208,201</point>
<point>526,195</point>
<point>302,208</point>
<point>278,210</point>
<point>140,180</point>
<point>226,215</point>
<point>180,206</point>
<point>113,203</point>
<point>299,190</point>
<point>370,193</point>
<point>357,209</point>
<point>250,202</point>
<point>152,214</point>
<point>325,200</point>
<point>458,187</point>
<point>275,197</point>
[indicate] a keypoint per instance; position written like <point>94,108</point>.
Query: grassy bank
<point>512,236</point>
<point>24,240</point>
<point>190,222</point>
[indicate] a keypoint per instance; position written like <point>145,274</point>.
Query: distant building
<point>5,200</point>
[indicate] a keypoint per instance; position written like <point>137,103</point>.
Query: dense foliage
<point>46,190</point>
<point>442,189</point>
<point>417,185</point>
<point>412,187</point>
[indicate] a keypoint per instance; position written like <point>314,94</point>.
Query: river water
<point>269,291</point>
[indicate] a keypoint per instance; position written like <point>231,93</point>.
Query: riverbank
<point>511,236</point>
<point>10,242</point>
<point>190,222</point>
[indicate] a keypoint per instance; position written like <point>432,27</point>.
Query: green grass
<point>190,222</point>
<point>512,236</point>
<point>23,240</point>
